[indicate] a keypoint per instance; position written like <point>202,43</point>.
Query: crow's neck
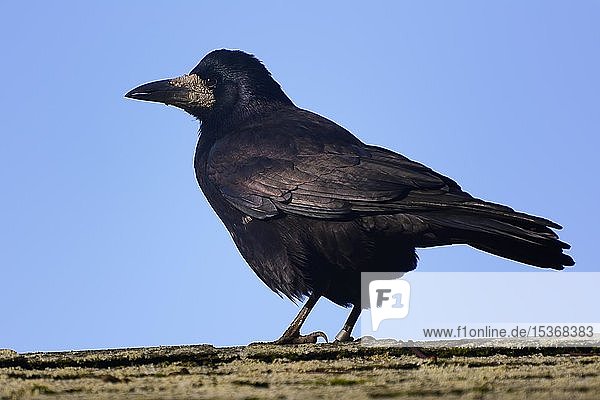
<point>219,124</point>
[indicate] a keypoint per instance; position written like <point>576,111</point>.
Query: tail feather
<point>501,231</point>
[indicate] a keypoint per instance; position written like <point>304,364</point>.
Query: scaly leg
<point>292,333</point>
<point>344,334</point>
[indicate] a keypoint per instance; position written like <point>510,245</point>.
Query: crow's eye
<point>211,82</point>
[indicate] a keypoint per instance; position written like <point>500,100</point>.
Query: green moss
<point>251,383</point>
<point>350,371</point>
<point>345,381</point>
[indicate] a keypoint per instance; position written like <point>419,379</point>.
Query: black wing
<point>306,165</point>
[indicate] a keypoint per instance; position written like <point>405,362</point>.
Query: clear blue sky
<point>106,240</point>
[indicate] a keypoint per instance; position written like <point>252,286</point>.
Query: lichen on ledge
<point>349,371</point>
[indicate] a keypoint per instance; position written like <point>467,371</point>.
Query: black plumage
<point>310,206</point>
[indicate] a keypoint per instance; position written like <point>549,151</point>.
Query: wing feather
<point>299,172</point>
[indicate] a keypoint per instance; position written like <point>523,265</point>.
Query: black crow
<point>310,206</point>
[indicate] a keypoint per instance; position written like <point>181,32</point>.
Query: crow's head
<point>224,83</point>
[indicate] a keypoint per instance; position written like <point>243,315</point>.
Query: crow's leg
<point>344,334</point>
<point>292,333</point>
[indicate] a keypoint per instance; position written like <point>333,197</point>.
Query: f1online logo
<point>389,299</point>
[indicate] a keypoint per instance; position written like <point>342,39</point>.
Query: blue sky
<point>106,240</point>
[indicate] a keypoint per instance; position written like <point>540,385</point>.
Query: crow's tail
<point>501,231</point>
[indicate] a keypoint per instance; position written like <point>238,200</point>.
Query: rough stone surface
<point>348,371</point>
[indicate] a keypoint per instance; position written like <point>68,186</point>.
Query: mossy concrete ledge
<point>348,371</point>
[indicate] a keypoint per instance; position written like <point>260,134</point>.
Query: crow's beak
<point>159,91</point>
<point>186,92</point>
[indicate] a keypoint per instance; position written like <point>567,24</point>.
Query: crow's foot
<point>301,339</point>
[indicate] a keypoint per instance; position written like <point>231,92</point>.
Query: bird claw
<point>312,337</point>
